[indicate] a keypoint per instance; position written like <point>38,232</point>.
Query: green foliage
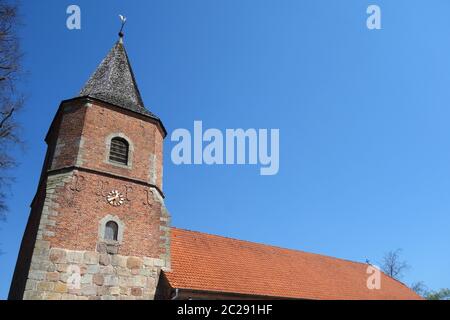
<point>442,294</point>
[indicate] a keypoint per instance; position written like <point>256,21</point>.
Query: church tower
<point>98,227</point>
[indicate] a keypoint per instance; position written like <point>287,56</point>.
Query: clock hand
<point>112,198</point>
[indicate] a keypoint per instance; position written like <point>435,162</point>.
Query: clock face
<point>115,198</point>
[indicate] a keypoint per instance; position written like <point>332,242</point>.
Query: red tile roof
<point>212,263</point>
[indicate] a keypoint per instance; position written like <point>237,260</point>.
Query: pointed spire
<point>113,82</point>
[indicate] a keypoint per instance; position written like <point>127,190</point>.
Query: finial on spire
<point>123,21</point>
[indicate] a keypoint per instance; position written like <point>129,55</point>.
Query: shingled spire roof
<point>113,82</point>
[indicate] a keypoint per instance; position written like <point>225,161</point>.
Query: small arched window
<point>111,231</point>
<point>119,151</point>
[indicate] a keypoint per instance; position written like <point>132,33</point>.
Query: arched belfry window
<point>111,231</point>
<point>119,151</point>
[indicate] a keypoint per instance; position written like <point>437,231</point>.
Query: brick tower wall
<point>63,254</point>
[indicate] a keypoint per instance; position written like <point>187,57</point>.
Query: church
<point>99,229</point>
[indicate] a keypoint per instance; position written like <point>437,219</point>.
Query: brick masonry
<point>78,137</point>
<point>63,236</point>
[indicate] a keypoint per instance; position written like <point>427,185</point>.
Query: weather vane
<point>123,20</point>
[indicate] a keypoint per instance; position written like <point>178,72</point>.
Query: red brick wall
<point>145,141</point>
<point>81,204</point>
<point>83,133</point>
<point>64,138</point>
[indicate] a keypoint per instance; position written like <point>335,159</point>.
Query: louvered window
<point>119,151</point>
<point>111,230</point>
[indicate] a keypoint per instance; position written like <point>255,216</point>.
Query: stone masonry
<point>86,275</point>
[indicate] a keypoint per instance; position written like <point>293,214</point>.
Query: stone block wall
<point>85,275</point>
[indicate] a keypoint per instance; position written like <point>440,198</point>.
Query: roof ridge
<point>276,247</point>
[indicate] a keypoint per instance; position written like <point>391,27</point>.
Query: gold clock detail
<point>115,198</point>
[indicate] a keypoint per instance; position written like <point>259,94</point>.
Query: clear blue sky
<point>364,117</point>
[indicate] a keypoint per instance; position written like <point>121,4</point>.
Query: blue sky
<point>363,117</point>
